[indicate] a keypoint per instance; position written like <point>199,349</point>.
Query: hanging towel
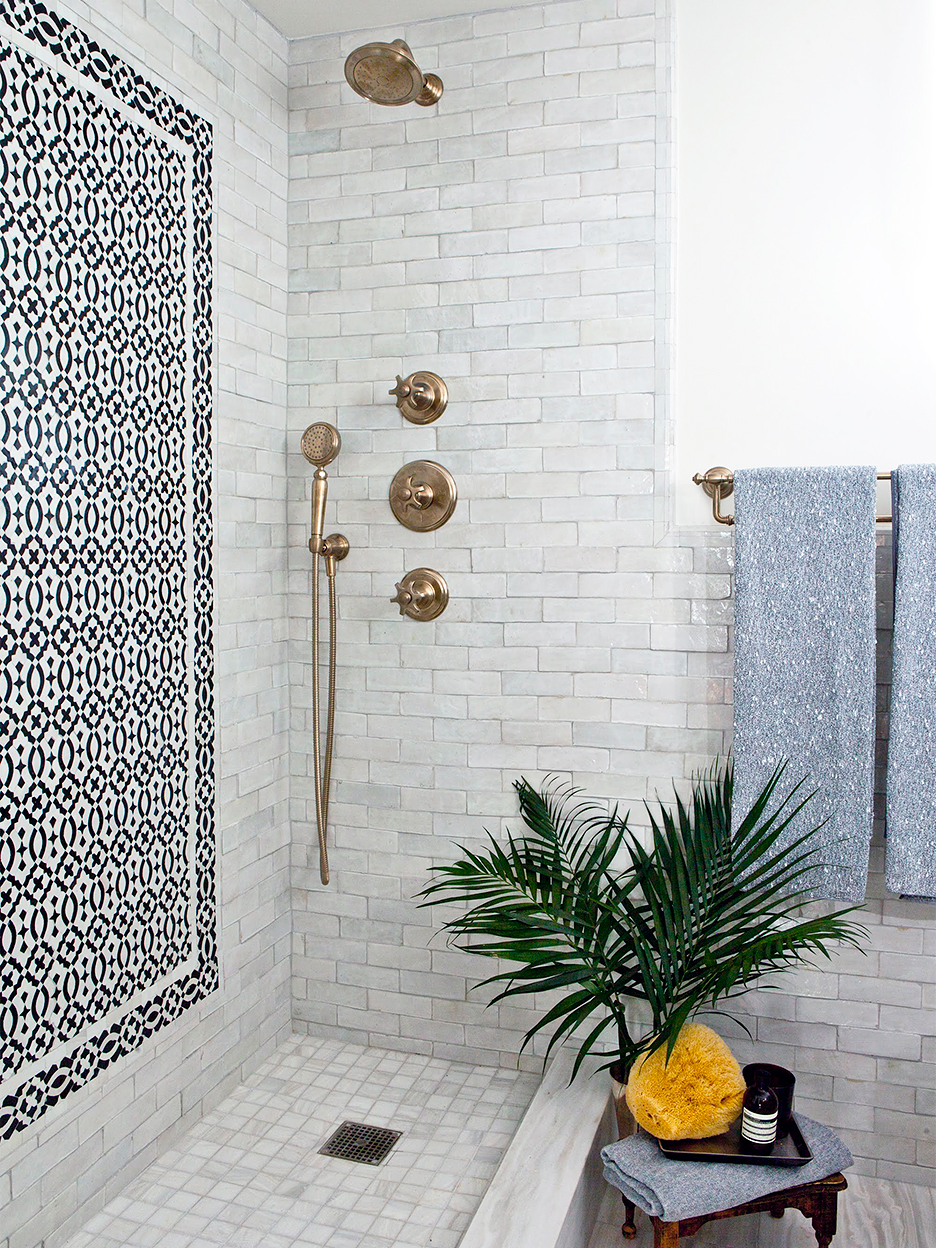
<point>672,1190</point>
<point>805,656</point>
<point>910,862</point>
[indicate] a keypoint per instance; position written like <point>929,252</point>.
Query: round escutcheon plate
<point>422,594</point>
<point>422,397</point>
<point>423,495</point>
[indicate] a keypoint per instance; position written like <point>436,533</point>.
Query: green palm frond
<point>696,918</point>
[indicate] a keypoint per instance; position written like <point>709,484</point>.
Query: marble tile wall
<point>221,59</point>
<point>517,240</point>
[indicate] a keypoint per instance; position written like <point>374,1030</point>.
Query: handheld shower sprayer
<point>319,499</point>
<point>321,442</point>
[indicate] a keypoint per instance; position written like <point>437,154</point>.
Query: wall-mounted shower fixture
<point>387,73</point>
<point>320,444</point>
<point>423,495</point>
<point>422,594</point>
<point>421,397</point>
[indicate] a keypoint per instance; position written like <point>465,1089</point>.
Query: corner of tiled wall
<point>509,240</point>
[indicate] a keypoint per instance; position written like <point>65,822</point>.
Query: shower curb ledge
<point>547,1190</point>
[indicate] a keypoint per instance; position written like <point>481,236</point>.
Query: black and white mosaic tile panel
<point>250,1174</point>
<point>107,896</point>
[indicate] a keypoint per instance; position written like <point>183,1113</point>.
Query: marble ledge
<point>548,1188</point>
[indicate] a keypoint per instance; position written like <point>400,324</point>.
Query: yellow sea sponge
<point>697,1093</point>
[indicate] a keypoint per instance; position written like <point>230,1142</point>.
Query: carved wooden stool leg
<point>825,1221</point>
<point>629,1230</point>
<point>665,1234</point>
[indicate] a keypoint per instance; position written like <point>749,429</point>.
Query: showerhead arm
<point>387,73</point>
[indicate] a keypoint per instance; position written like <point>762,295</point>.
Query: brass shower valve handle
<point>422,594</point>
<point>423,495</point>
<point>416,495</point>
<point>403,597</point>
<point>421,397</point>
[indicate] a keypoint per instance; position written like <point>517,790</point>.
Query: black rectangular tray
<point>790,1151</point>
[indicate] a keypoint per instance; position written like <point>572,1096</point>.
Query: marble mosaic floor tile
<point>249,1175</point>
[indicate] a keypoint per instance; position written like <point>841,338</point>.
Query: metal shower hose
<point>323,776</point>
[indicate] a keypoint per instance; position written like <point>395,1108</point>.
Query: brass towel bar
<point>718,483</point>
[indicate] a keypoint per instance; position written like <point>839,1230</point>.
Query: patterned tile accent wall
<point>155,980</point>
<point>108,882</point>
<point>516,240</point>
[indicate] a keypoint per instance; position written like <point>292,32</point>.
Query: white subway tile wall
<point>516,240</point>
<point>223,60</point>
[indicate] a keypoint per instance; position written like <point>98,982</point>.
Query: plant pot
<point>625,1119</point>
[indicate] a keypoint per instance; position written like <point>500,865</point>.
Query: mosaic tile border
<point>79,52</point>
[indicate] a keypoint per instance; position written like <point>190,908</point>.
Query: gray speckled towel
<point>685,1189</point>
<point>911,757</point>
<point>805,655</point>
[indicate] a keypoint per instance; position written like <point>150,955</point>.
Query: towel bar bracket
<point>718,483</point>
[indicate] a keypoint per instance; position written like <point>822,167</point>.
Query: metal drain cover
<point>356,1141</point>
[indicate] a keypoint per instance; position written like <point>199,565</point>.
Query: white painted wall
<point>806,324</point>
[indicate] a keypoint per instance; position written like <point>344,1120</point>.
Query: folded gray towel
<point>911,756</point>
<point>805,656</point>
<point>685,1189</point>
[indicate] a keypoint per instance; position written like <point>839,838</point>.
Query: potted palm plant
<point>695,918</point>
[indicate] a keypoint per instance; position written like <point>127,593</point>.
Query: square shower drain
<point>356,1141</point>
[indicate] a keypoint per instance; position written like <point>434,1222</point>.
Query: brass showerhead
<point>386,73</point>
<point>321,442</point>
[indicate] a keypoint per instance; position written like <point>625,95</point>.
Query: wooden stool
<point>817,1201</point>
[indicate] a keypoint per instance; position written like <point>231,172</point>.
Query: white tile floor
<point>250,1175</point>
<point>873,1213</point>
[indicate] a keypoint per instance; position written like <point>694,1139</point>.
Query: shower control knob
<point>422,594</point>
<point>418,496</point>
<point>423,495</point>
<point>421,397</point>
<point>403,597</point>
